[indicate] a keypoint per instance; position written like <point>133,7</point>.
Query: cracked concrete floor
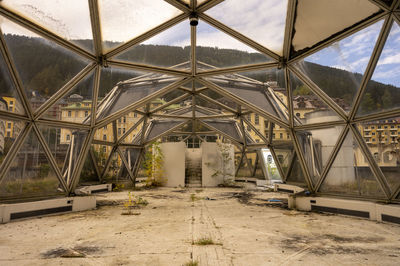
<point>247,229</point>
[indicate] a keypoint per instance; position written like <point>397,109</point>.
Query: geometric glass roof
<point>85,83</point>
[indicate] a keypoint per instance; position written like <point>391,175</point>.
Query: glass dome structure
<point>86,85</point>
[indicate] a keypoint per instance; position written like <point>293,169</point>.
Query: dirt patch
<point>359,239</point>
<point>75,252</point>
<point>248,198</point>
<point>163,196</point>
<point>180,191</point>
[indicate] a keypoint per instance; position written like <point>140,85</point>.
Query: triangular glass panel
<point>114,169</point>
<point>9,99</point>
<point>254,93</point>
<point>43,66</point>
<point>284,154</point>
<point>59,17</point>
<point>318,20</point>
<point>30,173</point>
<point>383,90</point>
<point>350,173</point>
<point>338,69</point>
<point>244,170</point>
<point>101,154</point>
<point>308,108</point>
<point>157,128</point>
<point>105,133</point>
<point>280,135</point>
<point>76,105</point>
<point>296,175</point>
<point>134,19</point>
<point>270,166</point>
<point>169,48</point>
<point>59,141</point>
<point>259,123</point>
<point>249,19</point>
<point>382,138</point>
<point>132,119</point>
<point>122,87</point>
<point>215,96</point>
<point>132,157</point>
<point>10,130</point>
<point>215,49</point>
<point>228,127</point>
<point>317,146</point>
<point>88,174</point>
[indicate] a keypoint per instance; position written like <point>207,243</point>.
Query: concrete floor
<point>246,228</point>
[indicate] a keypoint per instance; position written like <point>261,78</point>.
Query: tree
<point>368,103</point>
<point>387,99</point>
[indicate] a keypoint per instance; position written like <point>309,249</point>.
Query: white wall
<point>174,163</point>
<point>212,163</point>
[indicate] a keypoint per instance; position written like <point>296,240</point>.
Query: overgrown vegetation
<point>154,165</point>
<point>191,263</point>
<point>133,202</point>
<point>205,241</point>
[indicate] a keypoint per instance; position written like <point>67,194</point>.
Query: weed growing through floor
<point>191,263</point>
<point>133,202</point>
<point>205,241</point>
<point>193,197</point>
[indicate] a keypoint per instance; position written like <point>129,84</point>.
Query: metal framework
<point>211,78</point>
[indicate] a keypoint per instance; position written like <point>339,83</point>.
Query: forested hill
<point>45,69</point>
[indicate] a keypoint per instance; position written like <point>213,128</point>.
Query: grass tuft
<point>191,263</point>
<point>205,241</point>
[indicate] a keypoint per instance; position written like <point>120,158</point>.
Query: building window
<point>104,137</point>
<point>86,113</point>
<point>373,139</point>
<point>379,127</point>
<point>123,130</point>
<point>69,113</point>
<point>11,102</point>
<point>257,120</point>
<point>68,137</point>
<point>104,149</point>
<point>9,125</point>
<point>257,140</point>
<point>280,158</point>
<point>298,114</point>
<point>372,127</point>
<point>385,127</point>
<point>119,131</point>
<point>373,133</point>
<point>8,134</point>
<point>280,135</point>
<point>287,135</point>
<point>124,119</point>
<point>392,126</point>
<point>273,135</point>
<point>134,114</point>
<point>105,127</point>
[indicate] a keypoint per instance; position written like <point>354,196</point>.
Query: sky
<point>120,22</point>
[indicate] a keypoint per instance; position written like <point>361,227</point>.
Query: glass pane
<point>88,174</point>
<point>101,153</point>
<point>249,18</point>
<point>280,135</point>
<point>30,174</point>
<point>296,175</point>
<point>244,170</point>
<point>260,123</point>
<point>76,105</point>
<point>215,96</point>
<point>383,141</point>
<point>9,131</point>
<point>269,162</point>
<point>59,141</point>
<point>217,49</point>
<point>168,48</point>
<point>160,127</point>
<point>133,18</point>
<point>318,20</point>
<point>308,108</point>
<point>114,169</point>
<point>227,127</point>
<point>9,99</point>
<point>350,173</point>
<point>338,69</point>
<point>121,87</point>
<point>43,66</point>
<point>131,121</point>
<point>105,133</point>
<point>317,146</point>
<point>284,154</point>
<point>58,16</point>
<point>383,90</point>
<point>253,92</point>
